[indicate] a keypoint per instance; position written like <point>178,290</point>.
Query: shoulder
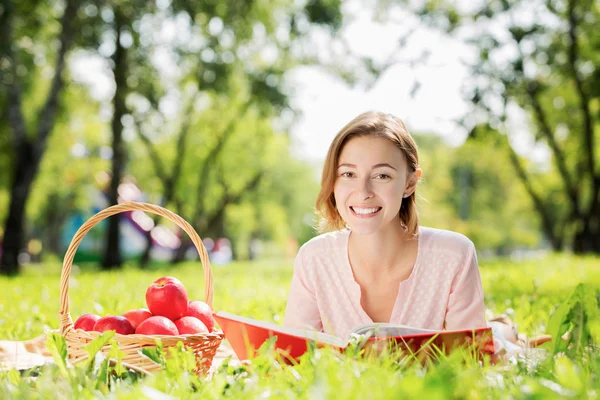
<point>325,251</point>
<point>324,244</point>
<point>445,241</point>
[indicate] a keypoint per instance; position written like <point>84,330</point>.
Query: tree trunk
<point>25,170</point>
<point>52,240</point>
<point>215,223</point>
<point>587,239</point>
<point>547,220</point>
<point>55,218</point>
<point>207,163</point>
<point>28,152</point>
<point>112,255</point>
<point>582,241</point>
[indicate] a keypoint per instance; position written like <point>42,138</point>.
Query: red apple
<point>86,322</point>
<point>203,312</point>
<point>136,317</point>
<point>157,325</point>
<point>114,323</point>
<point>190,325</point>
<point>167,297</point>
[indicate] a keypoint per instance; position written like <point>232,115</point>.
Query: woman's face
<point>371,180</point>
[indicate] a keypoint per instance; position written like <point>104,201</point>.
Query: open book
<point>246,335</point>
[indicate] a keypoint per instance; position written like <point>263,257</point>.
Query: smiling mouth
<point>365,211</point>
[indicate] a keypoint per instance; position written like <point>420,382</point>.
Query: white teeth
<point>365,211</point>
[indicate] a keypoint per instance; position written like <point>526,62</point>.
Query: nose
<point>364,189</point>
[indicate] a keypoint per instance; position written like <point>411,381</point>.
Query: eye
<point>382,176</point>
<point>347,174</point>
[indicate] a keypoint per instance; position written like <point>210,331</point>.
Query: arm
<point>302,310</point>
<point>465,304</point>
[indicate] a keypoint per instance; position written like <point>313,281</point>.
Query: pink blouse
<point>443,291</point>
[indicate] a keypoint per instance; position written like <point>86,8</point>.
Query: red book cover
<point>246,335</point>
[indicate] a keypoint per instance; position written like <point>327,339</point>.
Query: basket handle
<point>64,316</point>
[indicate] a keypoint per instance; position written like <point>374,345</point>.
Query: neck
<point>379,252</point>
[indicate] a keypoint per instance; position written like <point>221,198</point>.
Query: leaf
<point>118,355</point>
<point>590,303</point>
<point>574,314</point>
<point>152,353</point>
<point>567,375</point>
<point>103,375</point>
<point>579,335</point>
<point>156,354</point>
<point>57,345</point>
<point>180,359</point>
<point>268,347</point>
<point>94,347</point>
<point>94,366</point>
<point>557,326</point>
<point>14,376</point>
<point>594,328</point>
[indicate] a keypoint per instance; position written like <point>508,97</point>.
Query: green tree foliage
<point>539,59</point>
<point>30,114</point>
<point>471,190</point>
<point>244,48</point>
<point>72,169</point>
<point>234,55</point>
<point>234,94</point>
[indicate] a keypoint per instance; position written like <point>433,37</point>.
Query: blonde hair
<point>375,124</point>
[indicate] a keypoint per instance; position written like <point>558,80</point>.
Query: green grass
<point>534,289</point>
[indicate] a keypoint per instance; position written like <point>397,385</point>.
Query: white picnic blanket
<point>28,354</point>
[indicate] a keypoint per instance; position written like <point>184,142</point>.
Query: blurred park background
<point>222,111</point>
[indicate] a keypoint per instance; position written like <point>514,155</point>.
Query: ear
<point>411,182</point>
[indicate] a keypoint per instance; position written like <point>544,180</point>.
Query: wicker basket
<point>204,345</point>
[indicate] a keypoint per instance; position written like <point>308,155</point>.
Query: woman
<point>375,263</point>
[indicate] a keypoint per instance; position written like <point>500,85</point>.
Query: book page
<point>305,333</point>
<point>387,330</point>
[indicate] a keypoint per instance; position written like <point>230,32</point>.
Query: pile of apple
<point>169,312</point>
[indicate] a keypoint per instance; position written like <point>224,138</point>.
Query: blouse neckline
<point>348,275</point>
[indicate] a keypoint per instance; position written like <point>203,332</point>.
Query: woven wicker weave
<point>204,345</point>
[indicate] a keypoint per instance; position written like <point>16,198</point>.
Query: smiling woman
<point>384,150</point>
<point>374,262</point>
<point>367,188</point>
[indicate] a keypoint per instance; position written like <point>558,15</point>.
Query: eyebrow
<point>374,166</point>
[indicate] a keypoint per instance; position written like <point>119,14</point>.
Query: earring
<point>405,195</point>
